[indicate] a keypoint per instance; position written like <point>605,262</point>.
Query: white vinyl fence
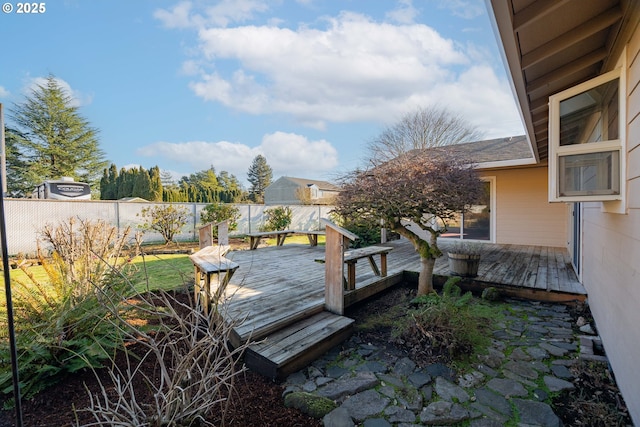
<point>27,217</point>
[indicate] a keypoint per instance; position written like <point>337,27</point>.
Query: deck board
<point>275,285</point>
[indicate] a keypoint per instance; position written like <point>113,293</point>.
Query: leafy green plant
<point>452,324</point>
<point>278,218</point>
<point>60,323</point>
<point>218,212</point>
<point>167,220</point>
<point>365,227</point>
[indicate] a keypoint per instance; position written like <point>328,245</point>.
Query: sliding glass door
<point>476,224</point>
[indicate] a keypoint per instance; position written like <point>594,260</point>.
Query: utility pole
<point>7,279</point>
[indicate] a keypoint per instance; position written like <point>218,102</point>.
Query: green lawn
<point>296,238</point>
<point>163,272</point>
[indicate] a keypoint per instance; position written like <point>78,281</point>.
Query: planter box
<point>465,265</point>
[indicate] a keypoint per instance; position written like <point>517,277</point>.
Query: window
<point>586,127</point>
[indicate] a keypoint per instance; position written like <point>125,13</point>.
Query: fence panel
<point>27,217</point>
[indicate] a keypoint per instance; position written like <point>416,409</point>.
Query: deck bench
<point>352,256</point>
<point>312,235</point>
<point>207,262</point>
<point>280,235</point>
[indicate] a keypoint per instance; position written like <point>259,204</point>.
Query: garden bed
<point>258,401</point>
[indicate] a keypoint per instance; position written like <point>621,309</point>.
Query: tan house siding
<point>611,256</point>
<point>523,214</point>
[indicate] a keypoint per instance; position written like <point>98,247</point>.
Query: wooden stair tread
<point>296,345</point>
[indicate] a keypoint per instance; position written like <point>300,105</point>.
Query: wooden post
<point>337,242</point>
<point>223,232</point>
<point>205,236</point>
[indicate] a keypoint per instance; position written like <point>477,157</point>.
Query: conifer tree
<point>259,176</point>
<point>54,140</point>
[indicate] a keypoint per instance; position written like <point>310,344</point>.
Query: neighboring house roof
<point>322,185</point>
<point>550,46</point>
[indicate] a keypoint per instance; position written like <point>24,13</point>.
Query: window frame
<point>556,151</point>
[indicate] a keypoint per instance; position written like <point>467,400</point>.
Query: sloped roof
<point>322,185</point>
<point>491,150</point>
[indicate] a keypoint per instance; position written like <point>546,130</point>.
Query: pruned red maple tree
<point>427,188</point>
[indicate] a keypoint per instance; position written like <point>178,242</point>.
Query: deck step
<point>295,346</point>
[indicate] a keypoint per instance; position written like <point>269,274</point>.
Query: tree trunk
<point>425,278</point>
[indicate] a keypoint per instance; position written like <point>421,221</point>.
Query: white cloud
<point>3,92</point>
<point>344,68</point>
<point>405,13</point>
<point>286,153</point>
<point>354,69</point>
<point>467,9</point>
<point>223,13</point>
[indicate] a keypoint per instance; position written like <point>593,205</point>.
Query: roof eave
<point>500,17</point>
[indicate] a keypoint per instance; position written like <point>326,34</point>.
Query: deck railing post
<point>336,243</point>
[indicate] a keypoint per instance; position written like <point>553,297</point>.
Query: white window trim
<point>555,150</point>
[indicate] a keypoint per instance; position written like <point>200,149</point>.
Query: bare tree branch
<point>424,128</point>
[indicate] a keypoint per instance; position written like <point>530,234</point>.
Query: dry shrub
<point>60,326</point>
<point>194,365</point>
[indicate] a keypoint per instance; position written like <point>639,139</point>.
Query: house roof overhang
<point>551,45</point>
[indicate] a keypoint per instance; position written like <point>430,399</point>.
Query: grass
<point>164,272</point>
<point>296,239</point>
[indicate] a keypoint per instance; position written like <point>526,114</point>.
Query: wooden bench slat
<point>356,254</point>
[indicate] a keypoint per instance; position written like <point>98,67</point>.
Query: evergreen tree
<point>259,176</point>
<point>126,181</point>
<point>19,183</point>
<point>109,183</point>
<point>54,139</point>
<point>155,193</point>
<point>231,189</point>
<point>142,184</point>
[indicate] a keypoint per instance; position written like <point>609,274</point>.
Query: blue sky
<point>186,85</point>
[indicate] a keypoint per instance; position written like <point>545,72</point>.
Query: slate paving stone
<point>376,422</point>
<point>561,371</point>
<point>537,352</point>
<point>507,387</point>
<point>493,400</point>
<point>442,412</point>
<point>519,354</point>
<point>485,422</point>
<point>490,413</point>
<point>522,369</point>
<point>554,350</point>
<point>449,391</point>
<point>440,370</point>
<point>336,371</point>
<point>365,404</point>
<point>396,414</point>
<point>557,384</point>
<point>382,387</point>
<point>536,413</point>
<point>419,379</point>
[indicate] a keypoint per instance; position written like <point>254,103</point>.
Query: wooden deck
<point>277,287</point>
